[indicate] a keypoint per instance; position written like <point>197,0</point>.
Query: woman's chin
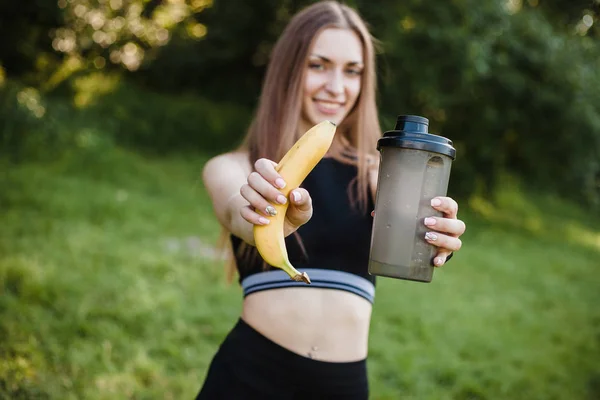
<point>336,118</point>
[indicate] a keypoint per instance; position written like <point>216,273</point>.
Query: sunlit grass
<point>109,289</point>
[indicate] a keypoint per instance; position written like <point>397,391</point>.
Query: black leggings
<point>250,366</point>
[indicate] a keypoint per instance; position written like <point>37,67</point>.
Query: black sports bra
<point>336,239</point>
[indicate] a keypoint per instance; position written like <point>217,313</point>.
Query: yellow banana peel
<point>295,165</point>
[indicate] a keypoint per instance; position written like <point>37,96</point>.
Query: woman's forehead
<point>338,45</point>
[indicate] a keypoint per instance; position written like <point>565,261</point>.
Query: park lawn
<point>110,289</point>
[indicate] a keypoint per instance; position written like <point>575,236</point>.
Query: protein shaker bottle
<point>414,168</point>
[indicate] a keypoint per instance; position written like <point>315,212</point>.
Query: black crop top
<point>336,239</point>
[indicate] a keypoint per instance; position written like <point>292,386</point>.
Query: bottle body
<point>409,177</point>
<point>404,192</point>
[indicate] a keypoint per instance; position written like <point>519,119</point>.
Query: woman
<point>298,341</point>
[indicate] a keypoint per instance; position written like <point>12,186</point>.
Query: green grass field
<point>109,289</point>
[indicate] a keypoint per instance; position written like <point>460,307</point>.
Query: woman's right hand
<point>262,192</point>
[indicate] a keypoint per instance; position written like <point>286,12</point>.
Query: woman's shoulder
<point>223,165</point>
<point>232,159</point>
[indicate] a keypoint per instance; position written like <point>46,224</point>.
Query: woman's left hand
<point>444,232</point>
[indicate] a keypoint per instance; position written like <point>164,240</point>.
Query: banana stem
<point>303,277</point>
<point>294,273</point>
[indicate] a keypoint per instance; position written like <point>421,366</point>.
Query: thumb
<point>300,209</point>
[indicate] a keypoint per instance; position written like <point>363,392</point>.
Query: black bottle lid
<point>411,132</point>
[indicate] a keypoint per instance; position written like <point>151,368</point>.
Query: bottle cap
<point>411,132</point>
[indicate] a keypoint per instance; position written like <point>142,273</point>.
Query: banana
<point>295,165</point>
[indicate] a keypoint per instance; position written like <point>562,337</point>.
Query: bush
<point>162,123</point>
<point>39,126</point>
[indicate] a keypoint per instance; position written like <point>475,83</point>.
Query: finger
<point>446,205</point>
<point>373,213</point>
<point>266,168</point>
<point>454,227</point>
<point>257,201</point>
<point>265,188</point>
<point>441,257</point>
<point>252,216</point>
<point>443,241</point>
<point>300,199</point>
<point>300,210</point>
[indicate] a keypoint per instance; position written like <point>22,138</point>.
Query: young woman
<point>293,340</point>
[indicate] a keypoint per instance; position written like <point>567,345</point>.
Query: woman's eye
<point>316,66</point>
<point>354,71</point>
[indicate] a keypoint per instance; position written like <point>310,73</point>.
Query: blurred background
<point>110,282</point>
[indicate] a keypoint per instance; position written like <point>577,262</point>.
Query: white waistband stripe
<point>320,278</point>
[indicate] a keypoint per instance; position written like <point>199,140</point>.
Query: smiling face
<point>333,77</point>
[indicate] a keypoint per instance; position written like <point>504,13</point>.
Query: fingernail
<point>280,183</point>
<point>263,220</point>
<point>271,211</point>
<point>436,202</point>
<point>297,196</point>
<point>431,236</point>
<point>281,199</point>
<point>429,221</point>
<point>438,261</point>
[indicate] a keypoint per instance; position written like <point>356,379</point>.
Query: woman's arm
<point>241,197</point>
<point>223,177</point>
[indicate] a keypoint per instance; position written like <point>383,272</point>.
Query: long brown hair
<point>275,126</point>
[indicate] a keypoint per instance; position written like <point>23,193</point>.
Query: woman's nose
<point>335,83</point>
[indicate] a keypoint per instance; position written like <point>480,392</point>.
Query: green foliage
<point>109,284</point>
<point>512,83</point>
<point>33,125</point>
<point>163,123</point>
<point>105,112</point>
<point>110,289</point>
<point>504,87</point>
<point>25,27</point>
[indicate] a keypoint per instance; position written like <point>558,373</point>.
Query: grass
<point>109,289</point>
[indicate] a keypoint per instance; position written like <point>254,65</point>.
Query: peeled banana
<point>295,165</point>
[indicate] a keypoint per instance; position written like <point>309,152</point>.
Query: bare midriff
<point>323,324</point>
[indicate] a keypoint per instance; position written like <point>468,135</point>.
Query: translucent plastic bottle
<point>414,168</point>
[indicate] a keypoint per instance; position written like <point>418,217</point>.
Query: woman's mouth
<point>328,107</point>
